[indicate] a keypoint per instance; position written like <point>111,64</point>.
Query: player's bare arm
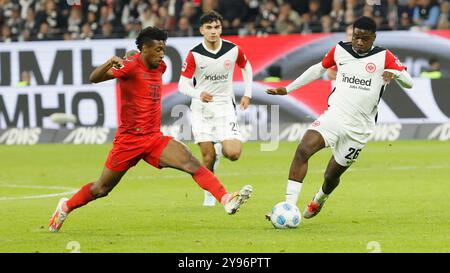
<point>331,73</point>
<point>104,72</point>
<point>245,102</point>
<point>388,77</point>
<point>313,73</point>
<point>277,91</point>
<point>130,53</point>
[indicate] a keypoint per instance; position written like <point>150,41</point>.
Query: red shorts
<point>129,149</point>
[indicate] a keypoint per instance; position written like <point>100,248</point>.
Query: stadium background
<point>59,45</point>
<point>56,72</point>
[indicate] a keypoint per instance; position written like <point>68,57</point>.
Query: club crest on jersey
<point>371,67</point>
<point>227,64</point>
<point>183,68</point>
<point>315,123</point>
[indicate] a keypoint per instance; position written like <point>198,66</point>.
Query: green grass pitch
<point>394,199</point>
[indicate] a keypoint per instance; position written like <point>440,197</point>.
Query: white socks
<point>209,200</point>
<point>293,189</point>
<point>320,196</point>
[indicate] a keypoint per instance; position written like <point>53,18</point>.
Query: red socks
<point>207,181</point>
<point>204,178</point>
<point>81,198</point>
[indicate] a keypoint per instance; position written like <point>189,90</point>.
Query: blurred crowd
<point>29,20</point>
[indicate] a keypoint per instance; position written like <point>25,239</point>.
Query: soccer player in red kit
<point>139,135</point>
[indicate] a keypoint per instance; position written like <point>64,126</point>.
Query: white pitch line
<point>34,187</point>
<point>40,196</point>
<point>73,190</point>
<point>362,169</point>
<point>403,168</point>
<point>436,167</point>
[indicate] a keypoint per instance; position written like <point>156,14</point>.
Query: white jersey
<point>212,71</point>
<point>359,83</point>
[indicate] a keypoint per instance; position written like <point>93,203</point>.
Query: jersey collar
<point>364,54</point>
<point>213,51</point>
<point>142,64</point>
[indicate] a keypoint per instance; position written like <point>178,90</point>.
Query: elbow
<point>93,79</point>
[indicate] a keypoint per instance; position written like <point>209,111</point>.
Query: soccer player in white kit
<point>363,71</point>
<point>207,77</point>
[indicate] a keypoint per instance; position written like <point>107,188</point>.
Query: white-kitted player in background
<point>207,77</point>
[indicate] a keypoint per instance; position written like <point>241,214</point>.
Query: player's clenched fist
<point>116,62</point>
<point>245,101</point>
<point>206,97</point>
<point>277,91</point>
<point>387,77</point>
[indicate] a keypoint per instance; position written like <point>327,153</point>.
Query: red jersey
<point>140,93</point>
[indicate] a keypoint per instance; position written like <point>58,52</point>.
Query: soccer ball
<point>285,215</point>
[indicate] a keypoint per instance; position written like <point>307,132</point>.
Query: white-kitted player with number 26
<point>363,71</point>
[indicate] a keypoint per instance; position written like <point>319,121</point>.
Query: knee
<point>99,191</point>
<point>191,164</point>
<point>208,159</point>
<point>234,156</point>
<point>302,154</point>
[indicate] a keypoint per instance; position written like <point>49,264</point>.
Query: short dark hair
<point>365,23</point>
<point>433,60</point>
<point>274,70</point>
<point>149,34</point>
<point>211,16</point>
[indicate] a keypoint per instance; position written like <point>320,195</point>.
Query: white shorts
<point>214,122</point>
<point>345,141</point>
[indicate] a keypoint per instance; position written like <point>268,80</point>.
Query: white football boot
<point>58,217</point>
<point>238,198</point>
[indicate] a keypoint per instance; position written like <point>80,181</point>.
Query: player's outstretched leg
<point>177,155</point>
<point>210,200</point>
<point>232,202</point>
<point>211,153</point>
<point>86,194</point>
<point>331,181</point>
<point>59,216</point>
<point>311,143</point>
